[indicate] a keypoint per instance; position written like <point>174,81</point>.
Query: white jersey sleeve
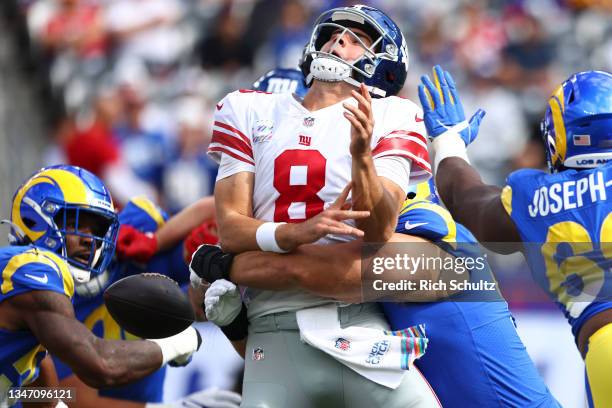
<point>231,144</point>
<point>403,138</point>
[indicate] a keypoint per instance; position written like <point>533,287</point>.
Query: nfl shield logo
<point>309,121</point>
<point>258,354</point>
<point>343,344</point>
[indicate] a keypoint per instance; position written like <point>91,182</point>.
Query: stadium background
<point>130,85</point>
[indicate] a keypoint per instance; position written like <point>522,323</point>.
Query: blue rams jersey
<point>475,357</point>
<point>143,215</point>
<point>565,221</point>
<point>25,269</point>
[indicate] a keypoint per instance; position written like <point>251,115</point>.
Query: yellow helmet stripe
<point>16,213</point>
<point>72,186</point>
<point>560,135</point>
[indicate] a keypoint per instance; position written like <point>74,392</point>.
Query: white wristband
<point>266,237</point>
<point>182,344</point>
<point>448,144</point>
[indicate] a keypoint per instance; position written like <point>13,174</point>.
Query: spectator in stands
<point>190,175</point>
<point>146,30</point>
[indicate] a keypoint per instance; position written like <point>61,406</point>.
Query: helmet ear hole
<point>390,77</point>
<point>29,222</point>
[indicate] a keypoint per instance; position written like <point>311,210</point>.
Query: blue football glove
<point>442,108</point>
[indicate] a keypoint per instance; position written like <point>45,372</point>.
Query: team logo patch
<point>258,354</point>
<point>305,140</point>
<point>309,121</point>
<point>582,140</point>
<point>262,131</point>
<point>343,344</point>
<point>379,349</point>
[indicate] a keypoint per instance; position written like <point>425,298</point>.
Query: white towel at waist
<point>381,356</point>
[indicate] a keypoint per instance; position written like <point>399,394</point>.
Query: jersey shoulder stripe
<point>142,214</point>
<point>30,268</point>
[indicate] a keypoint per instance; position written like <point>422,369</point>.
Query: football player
<point>475,357</point>
<point>63,229</point>
<point>563,219</point>
<point>139,221</point>
<point>304,153</point>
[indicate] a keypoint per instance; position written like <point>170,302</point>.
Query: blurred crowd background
<point>126,88</point>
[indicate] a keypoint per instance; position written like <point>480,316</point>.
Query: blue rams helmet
<point>281,80</point>
<point>384,64</point>
<point>47,208</point>
<point>577,125</point>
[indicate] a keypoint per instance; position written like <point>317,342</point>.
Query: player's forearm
<point>331,271</point>
<point>475,204</point>
<point>179,226</point>
<point>237,233</point>
<point>369,194</point>
<point>118,362</point>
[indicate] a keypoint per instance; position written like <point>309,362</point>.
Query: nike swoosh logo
<point>219,106</point>
<point>42,279</point>
<point>417,119</point>
<point>409,226</point>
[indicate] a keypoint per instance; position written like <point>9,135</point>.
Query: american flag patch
<point>582,140</point>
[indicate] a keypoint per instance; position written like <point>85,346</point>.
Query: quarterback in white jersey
<point>301,160</point>
<point>283,164</point>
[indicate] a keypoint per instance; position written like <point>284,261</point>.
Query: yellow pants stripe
<point>598,362</point>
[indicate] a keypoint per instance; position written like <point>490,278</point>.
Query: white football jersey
<point>301,160</point>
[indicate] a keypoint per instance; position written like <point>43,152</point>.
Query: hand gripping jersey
<point>143,215</point>
<point>475,357</point>
<point>25,269</point>
<point>302,161</point>
<point>565,221</point>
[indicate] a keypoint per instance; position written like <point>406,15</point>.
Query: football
<point>149,305</point>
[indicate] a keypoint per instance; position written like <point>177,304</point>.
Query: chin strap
<point>331,70</point>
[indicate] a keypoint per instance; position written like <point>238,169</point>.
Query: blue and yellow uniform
<point>90,309</point>
<point>475,357</point>
<point>565,222</point>
<point>26,269</point>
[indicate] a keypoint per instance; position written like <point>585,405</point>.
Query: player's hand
<point>135,245</point>
<point>209,398</point>
<point>178,349</point>
<point>208,264</point>
<point>362,121</point>
<point>205,233</point>
<point>330,221</point>
<point>442,107</point>
<point>222,302</point>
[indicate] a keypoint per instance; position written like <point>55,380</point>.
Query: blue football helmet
<point>384,64</point>
<point>47,208</point>
<point>577,125</point>
<point>281,80</point>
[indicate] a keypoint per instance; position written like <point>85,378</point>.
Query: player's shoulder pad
<point>427,220</point>
<point>142,214</point>
<point>242,99</point>
<point>36,268</point>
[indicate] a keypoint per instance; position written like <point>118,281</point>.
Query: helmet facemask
<point>88,239</point>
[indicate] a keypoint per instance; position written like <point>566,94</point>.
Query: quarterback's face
<point>348,47</point>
